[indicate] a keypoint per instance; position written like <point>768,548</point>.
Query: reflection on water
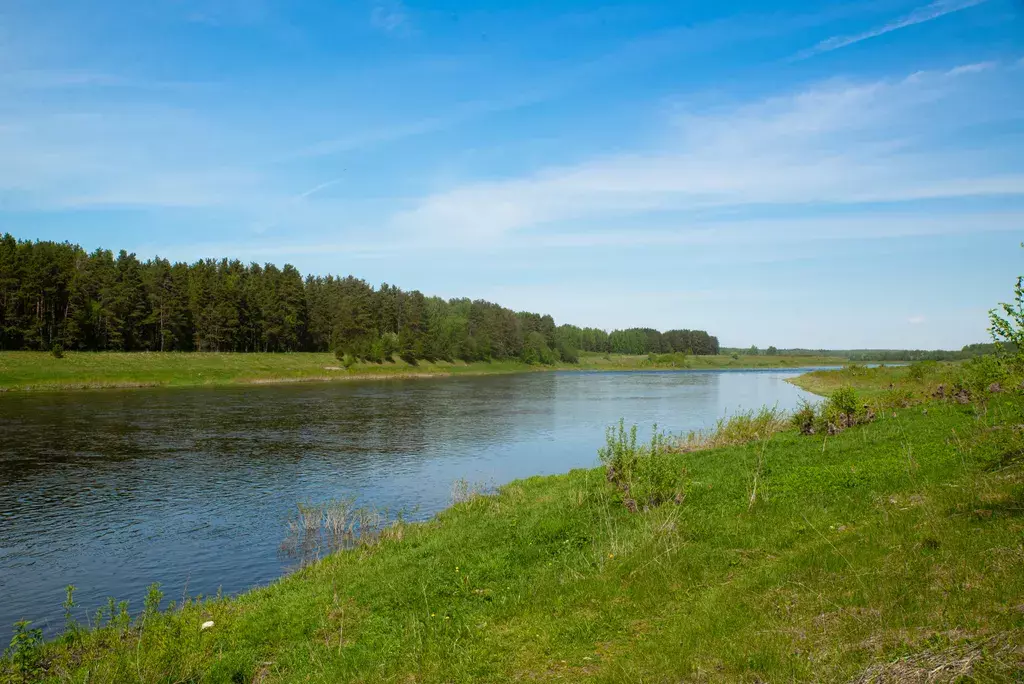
<point>115,490</point>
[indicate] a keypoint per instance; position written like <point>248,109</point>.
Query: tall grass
<point>740,428</point>
<point>317,530</point>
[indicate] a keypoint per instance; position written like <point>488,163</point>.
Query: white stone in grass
<point>206,625</point>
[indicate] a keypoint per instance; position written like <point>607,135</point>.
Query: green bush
<point>58,351</point>
<point>646,475</point>
<point>1007,328</point>
<point>919,370</point>
<point>568,353</point>
<point>978,374</point>
<point>841,410</point>
<point>844,401</point>
<point>389,343</point>
<point>805,417</point>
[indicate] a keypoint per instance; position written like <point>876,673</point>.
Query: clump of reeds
<point>463,490</point>
<point>317,530</point>
<point>740,428</point>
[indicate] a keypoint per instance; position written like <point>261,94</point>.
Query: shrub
<point>346,359</point>
<point>1007,329</point>
<point>804,418</point>
<point>389,343</point>
<point>980,372</point>
<point>151,605</point>
<point>919,370</point>
<point>58,351</point>
<point>375,353</point>
<point>646,475</point>
<point>568,353</point>
<point>844,401</point>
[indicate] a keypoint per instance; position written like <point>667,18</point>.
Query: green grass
<point>887,552</point>
<point>874,382</point>
<point>90,370</point>
<point>894,385</point>
<point>87,370</point>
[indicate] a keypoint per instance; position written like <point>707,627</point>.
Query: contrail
<point>939,8</point>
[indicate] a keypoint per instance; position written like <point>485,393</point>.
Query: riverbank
<point>25,371</point>
<point>888,552</point>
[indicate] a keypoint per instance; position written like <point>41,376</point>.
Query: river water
<point>113,490</point>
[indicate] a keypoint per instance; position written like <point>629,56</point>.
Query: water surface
<point>113,490</point>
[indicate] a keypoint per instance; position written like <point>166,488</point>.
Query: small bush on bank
<point>843,409</point>
<point>646,475</point>
<point>919,370</point>
<point>58,351</point>
<point>804,418</point>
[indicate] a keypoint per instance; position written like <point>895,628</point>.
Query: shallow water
<point>113,490</point>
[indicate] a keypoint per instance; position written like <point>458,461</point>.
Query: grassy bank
<point>87,370</point>
<point>916,382</point>
<point>892,551</point>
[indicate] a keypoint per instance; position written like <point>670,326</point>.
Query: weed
<point>25,651</point>
<point>151,604</point>
<point>70,626</point>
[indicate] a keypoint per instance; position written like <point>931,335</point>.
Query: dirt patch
<point>950,664</point>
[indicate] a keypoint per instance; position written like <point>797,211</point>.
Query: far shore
<point>41,371</point>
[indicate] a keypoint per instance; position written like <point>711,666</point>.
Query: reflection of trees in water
<point>315,531</point>
<point>249,428</point>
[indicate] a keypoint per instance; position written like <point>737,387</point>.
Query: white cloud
<point>916,320</point>
<point>939,8</point>
<point>834,144</point>
<point>390,16</point>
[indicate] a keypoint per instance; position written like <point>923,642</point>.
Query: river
<point>113,490</point>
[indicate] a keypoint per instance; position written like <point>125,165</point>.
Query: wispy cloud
<point>406,129</point>
<point>939,8</point>
<point>390,16</point>
<point>916,320</point>
<point>833,144</point>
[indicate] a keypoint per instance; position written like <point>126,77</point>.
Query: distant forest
<point>55,293</point>
<point>968,352</point>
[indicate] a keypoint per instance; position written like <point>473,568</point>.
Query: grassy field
<point>914,382</point>
<point>890,552</point>
<point>89,370</point>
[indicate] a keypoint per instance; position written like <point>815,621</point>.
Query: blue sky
<point>819,174</point>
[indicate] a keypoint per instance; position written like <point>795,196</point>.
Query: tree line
<point>969,351</point>
<point>56,294</point>
<point>640,341</point>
